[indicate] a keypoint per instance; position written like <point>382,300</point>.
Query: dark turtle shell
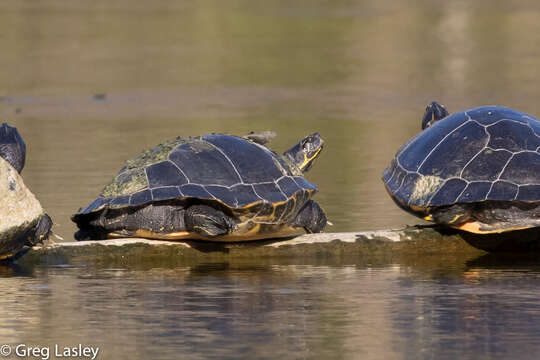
<point>234,171</point>
<point>486,153</point>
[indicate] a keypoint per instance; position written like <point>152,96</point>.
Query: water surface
<point>345,309</point>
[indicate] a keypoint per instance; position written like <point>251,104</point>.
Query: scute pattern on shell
<point>232,170</point>
<point>486,153</point>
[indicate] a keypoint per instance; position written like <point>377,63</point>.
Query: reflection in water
<point>273,310</point>
<point>489,312</point>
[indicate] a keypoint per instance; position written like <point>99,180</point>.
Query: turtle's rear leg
<point>311,217</point>
<point>207,221</point>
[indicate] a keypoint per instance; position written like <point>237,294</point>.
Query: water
<point>90,84</point>
<point>471,309</point>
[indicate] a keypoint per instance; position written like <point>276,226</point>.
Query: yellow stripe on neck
<point>308,160</point>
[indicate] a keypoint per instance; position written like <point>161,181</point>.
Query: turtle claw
<point>207,221</point>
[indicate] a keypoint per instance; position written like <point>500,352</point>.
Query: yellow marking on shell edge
<point>414,207</point>
<point>252,234</point>
<point>475,227</point>
<point>7,256</point>
<point>258,202</point>
<point>428,218</point>
<point>147,234</point>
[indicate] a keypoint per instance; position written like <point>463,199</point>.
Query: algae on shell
<point>424,188</point>
<point>132,177</point>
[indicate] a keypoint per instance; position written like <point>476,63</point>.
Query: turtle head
<point>12,147</point>
<point>434,112</point>
<point>305,152</point>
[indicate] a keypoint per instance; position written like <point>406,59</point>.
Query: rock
<point>21,213</point>
<point>383,245</point>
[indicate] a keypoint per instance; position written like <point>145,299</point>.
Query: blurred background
<point>90,84</point>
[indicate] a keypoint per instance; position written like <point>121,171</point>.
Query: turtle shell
<point>236,172</point>
<point>485,153</point>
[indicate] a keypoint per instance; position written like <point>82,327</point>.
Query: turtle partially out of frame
<point>476,170</point>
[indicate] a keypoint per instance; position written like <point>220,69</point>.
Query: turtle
<point>476,170</point>
<point>23,221</point>
<point>215,187</point>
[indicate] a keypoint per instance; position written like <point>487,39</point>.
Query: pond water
<point>480,308</point>
<point>90,84</point>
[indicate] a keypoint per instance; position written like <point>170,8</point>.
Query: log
<point>382,245</point>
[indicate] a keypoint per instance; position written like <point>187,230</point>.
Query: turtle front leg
<point>207,221</point>
<point>311,217</point>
